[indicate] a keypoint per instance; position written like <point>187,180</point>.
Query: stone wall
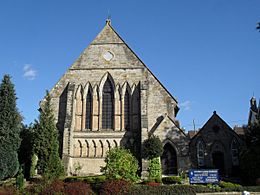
<point>109,57</point>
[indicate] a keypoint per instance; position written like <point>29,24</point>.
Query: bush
<point>115,187</point>
<point>87,179</point>
<point>8,190</point>
<point>59,187</point>
<point>172,180</point>
<point>224,184</point>
<point>152,183</point>
<point>56,187</point>
<point>120,164</point>
<point>155,171</point>
<point>174,190</point>
<point>20,179</point>
<point>78,188</point>
<point>152,148</point>
<point>34,160</point>
<point>252,188</point>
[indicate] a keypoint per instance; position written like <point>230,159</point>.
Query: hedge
<point>176,190</point>
<point>172,180</point>
<point>87,179</point>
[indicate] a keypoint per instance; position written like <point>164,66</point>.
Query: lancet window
<point>201,153</point>
<point>89,110</point>
<point>107,106</point>
<point>127,110</point>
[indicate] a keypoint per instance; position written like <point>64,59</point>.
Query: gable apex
<point>107,36</point>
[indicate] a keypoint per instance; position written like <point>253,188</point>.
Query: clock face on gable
<point>108,56</point>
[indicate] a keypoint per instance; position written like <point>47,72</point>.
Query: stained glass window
<point>89,110</point>
<point>107,106</point>
<point>127,110</point>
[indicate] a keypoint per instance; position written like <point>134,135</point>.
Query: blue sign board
<point>203,176</point>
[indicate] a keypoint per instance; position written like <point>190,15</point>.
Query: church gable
<point>107,50</point>
<point>215,127</point>
<point>109,53</point>
<point>110,96</point>
<point>216,145</point>
<point>168,131</point>
<point>166,126</point>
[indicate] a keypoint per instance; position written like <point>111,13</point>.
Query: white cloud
<point>28,72</point>
<point>186,105</point>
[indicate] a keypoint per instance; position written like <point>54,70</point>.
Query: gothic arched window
<point>235,153</point>
<point>108,106</point>
<point>79,109</point>
<point>201,153</point>
<point>89,110</point>
<point>127,110</point>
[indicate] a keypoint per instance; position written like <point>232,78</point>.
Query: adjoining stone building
<point>109,98</point>
<point>216,145</point>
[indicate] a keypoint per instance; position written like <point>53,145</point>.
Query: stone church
<point>109,98</point>
<point>216,145</point>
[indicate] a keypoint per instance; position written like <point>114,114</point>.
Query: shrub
<point>120,164</point>
<point>224,184</point>
<point>152,147</point>
<point>115,187</point>
<point>228,186</point>
<point>8,190</point>
<point>155,169</point>
<point>56,187</point>
<point>87,179</point>
<point>34,160</point>
<point>174,190</point>
<point>252,188</point>
<point>20,179</point>
<point>172,180</point>
<point>78,188</point>
<point>151,183</point>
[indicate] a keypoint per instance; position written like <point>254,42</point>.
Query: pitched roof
<point>107,36</point>
<point>215,116</point>
<point>161,120</point>
<point>124,57</point>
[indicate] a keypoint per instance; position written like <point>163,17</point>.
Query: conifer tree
<point>10,125</point>
<point>46,144</point>
<point>250,156</point>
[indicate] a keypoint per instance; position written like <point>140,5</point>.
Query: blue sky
<point>205,52</point>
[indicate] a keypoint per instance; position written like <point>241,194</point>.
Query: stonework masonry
<point>150,109</point>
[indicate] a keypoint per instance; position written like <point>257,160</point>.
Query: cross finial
<point>108,20</point>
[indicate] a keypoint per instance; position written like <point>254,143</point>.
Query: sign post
<point>204,176</point>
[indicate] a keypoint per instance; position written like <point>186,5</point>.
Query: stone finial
<point>108,21</point>
<point>215,112</point>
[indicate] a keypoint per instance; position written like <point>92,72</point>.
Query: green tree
<point>10,125</point>
<point>26,148</point>
<point>46,144</point>
<point>152,147</point>
<point>250,156</point>
<point>120,164</point>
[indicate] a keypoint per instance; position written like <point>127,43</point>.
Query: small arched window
<point>235,153</point>
<point>201,153</point>
<point>89,110</point>
<point>127,110</point>
<point>107,106</point>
